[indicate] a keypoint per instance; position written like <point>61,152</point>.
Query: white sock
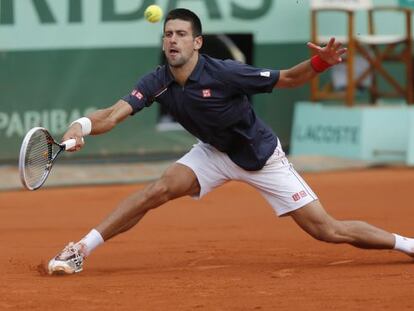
<point>403,244</point>
<point>91,241</point>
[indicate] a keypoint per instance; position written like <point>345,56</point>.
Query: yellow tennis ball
<point>153,13</point>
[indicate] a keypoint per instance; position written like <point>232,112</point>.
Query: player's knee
<point>160,191</point>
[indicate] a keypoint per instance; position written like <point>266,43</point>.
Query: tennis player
<point>209,98</point>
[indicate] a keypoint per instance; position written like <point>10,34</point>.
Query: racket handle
<point>70,143</point>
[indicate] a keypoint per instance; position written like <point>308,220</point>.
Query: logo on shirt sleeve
<point>206,93</point>
<point>265,74</point>
<point>137,94</point>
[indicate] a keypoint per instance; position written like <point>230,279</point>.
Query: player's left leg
<point>319,224</point>
<point>289,194</point>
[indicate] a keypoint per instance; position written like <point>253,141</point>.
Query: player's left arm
<point>325,57</point>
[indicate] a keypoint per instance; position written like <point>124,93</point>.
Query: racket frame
<point>22,158</point>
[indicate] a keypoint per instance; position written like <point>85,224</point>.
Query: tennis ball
<point>153,13</point>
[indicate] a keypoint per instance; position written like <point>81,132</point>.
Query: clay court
<point>225,252</point>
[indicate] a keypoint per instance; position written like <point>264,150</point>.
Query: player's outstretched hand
<point>331,53</point>
<point>74,131</point>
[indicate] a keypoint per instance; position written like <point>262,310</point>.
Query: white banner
<point>95,23</point>
<point>57,24</point>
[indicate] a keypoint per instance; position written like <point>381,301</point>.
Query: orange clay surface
<point>225,252</point>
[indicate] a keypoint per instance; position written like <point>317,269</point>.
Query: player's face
<point>179,45</point>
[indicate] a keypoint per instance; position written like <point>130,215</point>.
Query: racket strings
<point>39,155</point>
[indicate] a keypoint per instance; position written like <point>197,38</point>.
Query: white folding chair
<point>375,48</point>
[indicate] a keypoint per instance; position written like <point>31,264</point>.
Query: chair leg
<point>409,75</point>
<point>374,88</point>
<point>350,88</point>
<point>374,80</point>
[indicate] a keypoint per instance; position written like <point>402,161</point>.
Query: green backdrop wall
<point>60,59</point>
<point>52,88</point>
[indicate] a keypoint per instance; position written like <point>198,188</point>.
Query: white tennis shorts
<point>277,181</point>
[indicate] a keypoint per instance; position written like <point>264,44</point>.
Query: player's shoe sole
<point>61,268</point>
<point>68,261</point>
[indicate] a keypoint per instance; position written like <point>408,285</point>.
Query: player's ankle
<point>91,241</point>
<point>404,244</point>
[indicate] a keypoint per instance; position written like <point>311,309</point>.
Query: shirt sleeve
<point>143,94</point>
<point>248,79</point>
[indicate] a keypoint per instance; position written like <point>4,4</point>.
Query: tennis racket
<point>37,154</point>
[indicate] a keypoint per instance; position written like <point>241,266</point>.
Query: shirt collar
<point>168,75</point>
<point>195,74</point>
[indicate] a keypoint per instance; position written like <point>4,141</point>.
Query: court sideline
<point>93,173</point>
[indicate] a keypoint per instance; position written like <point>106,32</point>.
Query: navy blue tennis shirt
<point>214,106</point>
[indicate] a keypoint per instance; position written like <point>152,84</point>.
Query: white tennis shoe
<point>69,260</point>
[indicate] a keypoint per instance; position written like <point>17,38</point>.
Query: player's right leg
<point>178,180</point>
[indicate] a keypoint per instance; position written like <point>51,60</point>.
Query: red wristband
<point>318,64</point>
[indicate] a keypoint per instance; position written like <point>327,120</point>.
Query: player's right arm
<point>100,121</point>
<point>104,120</point>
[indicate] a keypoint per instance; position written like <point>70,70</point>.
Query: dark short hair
<point>186,15</point>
